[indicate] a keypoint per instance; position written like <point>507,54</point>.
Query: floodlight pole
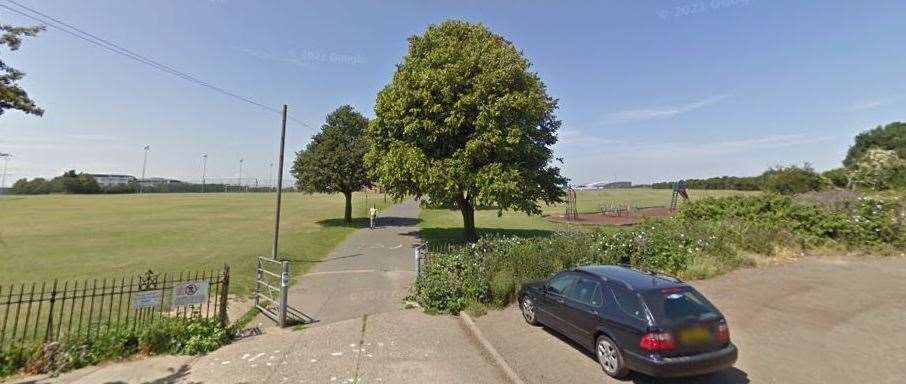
<point>279,185</point>
<point>204,169</point>
<point>5,157</point>
<point>144,165</point>
<point>240,174</point>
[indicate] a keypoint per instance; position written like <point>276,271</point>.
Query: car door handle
<point>560,300</point>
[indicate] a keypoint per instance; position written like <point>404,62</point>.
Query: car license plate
<point>694,335</point>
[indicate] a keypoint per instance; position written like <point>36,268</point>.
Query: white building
<point>109,181</point>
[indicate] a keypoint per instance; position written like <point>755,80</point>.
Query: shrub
<point>15,357</point>
<point>837,177</point>
<point>792,179</point>
<point>169,335</point>
<point>706,238</point>
<point>490,271</point>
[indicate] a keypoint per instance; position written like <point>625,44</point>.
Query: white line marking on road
<point>256,357</point>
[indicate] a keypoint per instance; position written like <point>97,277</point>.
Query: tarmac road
<point>816,320</point>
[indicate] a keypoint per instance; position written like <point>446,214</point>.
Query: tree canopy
<point>890,137</point>
<point>12,96</point>
<point>333,161</point>
<point>465,123</point>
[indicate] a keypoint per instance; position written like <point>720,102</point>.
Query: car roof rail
<point>652,272</point>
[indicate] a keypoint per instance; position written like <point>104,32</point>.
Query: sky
<point>648,90</point>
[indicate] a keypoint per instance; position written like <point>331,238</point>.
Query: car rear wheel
<point>528,310</point>
<point>610,357</point>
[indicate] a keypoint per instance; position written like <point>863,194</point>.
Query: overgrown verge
<point>706,238</point>
<point>166,336</point>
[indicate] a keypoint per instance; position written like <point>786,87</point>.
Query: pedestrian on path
<point>372,213</point>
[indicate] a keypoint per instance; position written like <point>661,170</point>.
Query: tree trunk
<point>468,219</point>
<point>347,215</point>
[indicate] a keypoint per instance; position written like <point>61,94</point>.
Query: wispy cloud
<point>570,137</point>
<point>662,112</point>
<point>649,151</point>
<point>867,104</point>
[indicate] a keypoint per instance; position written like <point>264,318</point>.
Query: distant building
<point>110,181</point>
<point>156,181</point>
<point>610,185</point>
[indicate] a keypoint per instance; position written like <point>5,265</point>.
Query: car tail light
<point>723,333</point>
<point>661,341</point>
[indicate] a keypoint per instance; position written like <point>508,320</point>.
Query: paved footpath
<point>363,335</point>
<point>369,273</point>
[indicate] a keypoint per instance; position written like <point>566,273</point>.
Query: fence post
<point>284,292</point>
<point>223,295</point>
<point>53,299</point>
<point>257,281</point>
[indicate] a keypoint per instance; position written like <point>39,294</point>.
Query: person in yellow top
<point>372,213</point>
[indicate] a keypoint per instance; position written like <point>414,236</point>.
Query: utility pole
<point>5,157</point>
<point>204,169</point>
<point>279,185</point>
<point>144,165</point>
<point>240,175</point>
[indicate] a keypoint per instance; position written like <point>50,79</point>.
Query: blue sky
<point>649,90</point>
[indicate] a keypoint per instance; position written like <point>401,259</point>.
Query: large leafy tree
<point>333,161</point>
<point>890,137</point>
<point>12,96</point>
<point>465,123</point>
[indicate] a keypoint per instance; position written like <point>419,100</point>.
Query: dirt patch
<point>626,217</point>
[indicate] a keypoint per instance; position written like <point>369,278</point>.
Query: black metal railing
<point>51,311</point>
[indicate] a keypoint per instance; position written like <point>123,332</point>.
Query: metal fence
<point>272,293</point>
<point>51,311</point>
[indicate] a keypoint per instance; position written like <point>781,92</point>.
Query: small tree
<point>73,183</point>
<point>465,123</point>
<point>11,95</point>
<point>879,169</point>
<point>332,162</point>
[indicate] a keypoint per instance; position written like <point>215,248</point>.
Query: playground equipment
<point>679,189</point>
<point>571,212</point>
<point>615,210</point>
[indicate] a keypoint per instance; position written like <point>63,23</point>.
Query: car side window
<point>586,291</point>
<point>560,283</point>
<point>629,303</point>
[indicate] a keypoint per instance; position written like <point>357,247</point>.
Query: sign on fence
<point>146,299</point>
<point>190,293</point>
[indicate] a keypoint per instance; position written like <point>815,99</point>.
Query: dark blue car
<point>632,320</point>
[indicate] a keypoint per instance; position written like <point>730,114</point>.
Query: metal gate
<point>272,293</point>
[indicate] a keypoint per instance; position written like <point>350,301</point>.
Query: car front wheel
<point>610,357</point>
<point>528,310</point>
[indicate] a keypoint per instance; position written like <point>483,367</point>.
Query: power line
<point>113,47</point>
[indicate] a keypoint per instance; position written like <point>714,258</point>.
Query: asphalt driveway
<point>816,320</point>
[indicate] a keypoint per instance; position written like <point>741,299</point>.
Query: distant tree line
<point>82,183</point>
<point>877,161</point>
<point>721,182</point>
<point>68,182</point>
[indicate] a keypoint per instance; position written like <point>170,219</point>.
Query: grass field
<point>97,236</point>
<point>445,226</point>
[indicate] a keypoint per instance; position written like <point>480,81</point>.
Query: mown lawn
<point>98,236</point>
<point>445,226</point>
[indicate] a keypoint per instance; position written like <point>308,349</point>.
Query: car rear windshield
<point>673,305</point>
